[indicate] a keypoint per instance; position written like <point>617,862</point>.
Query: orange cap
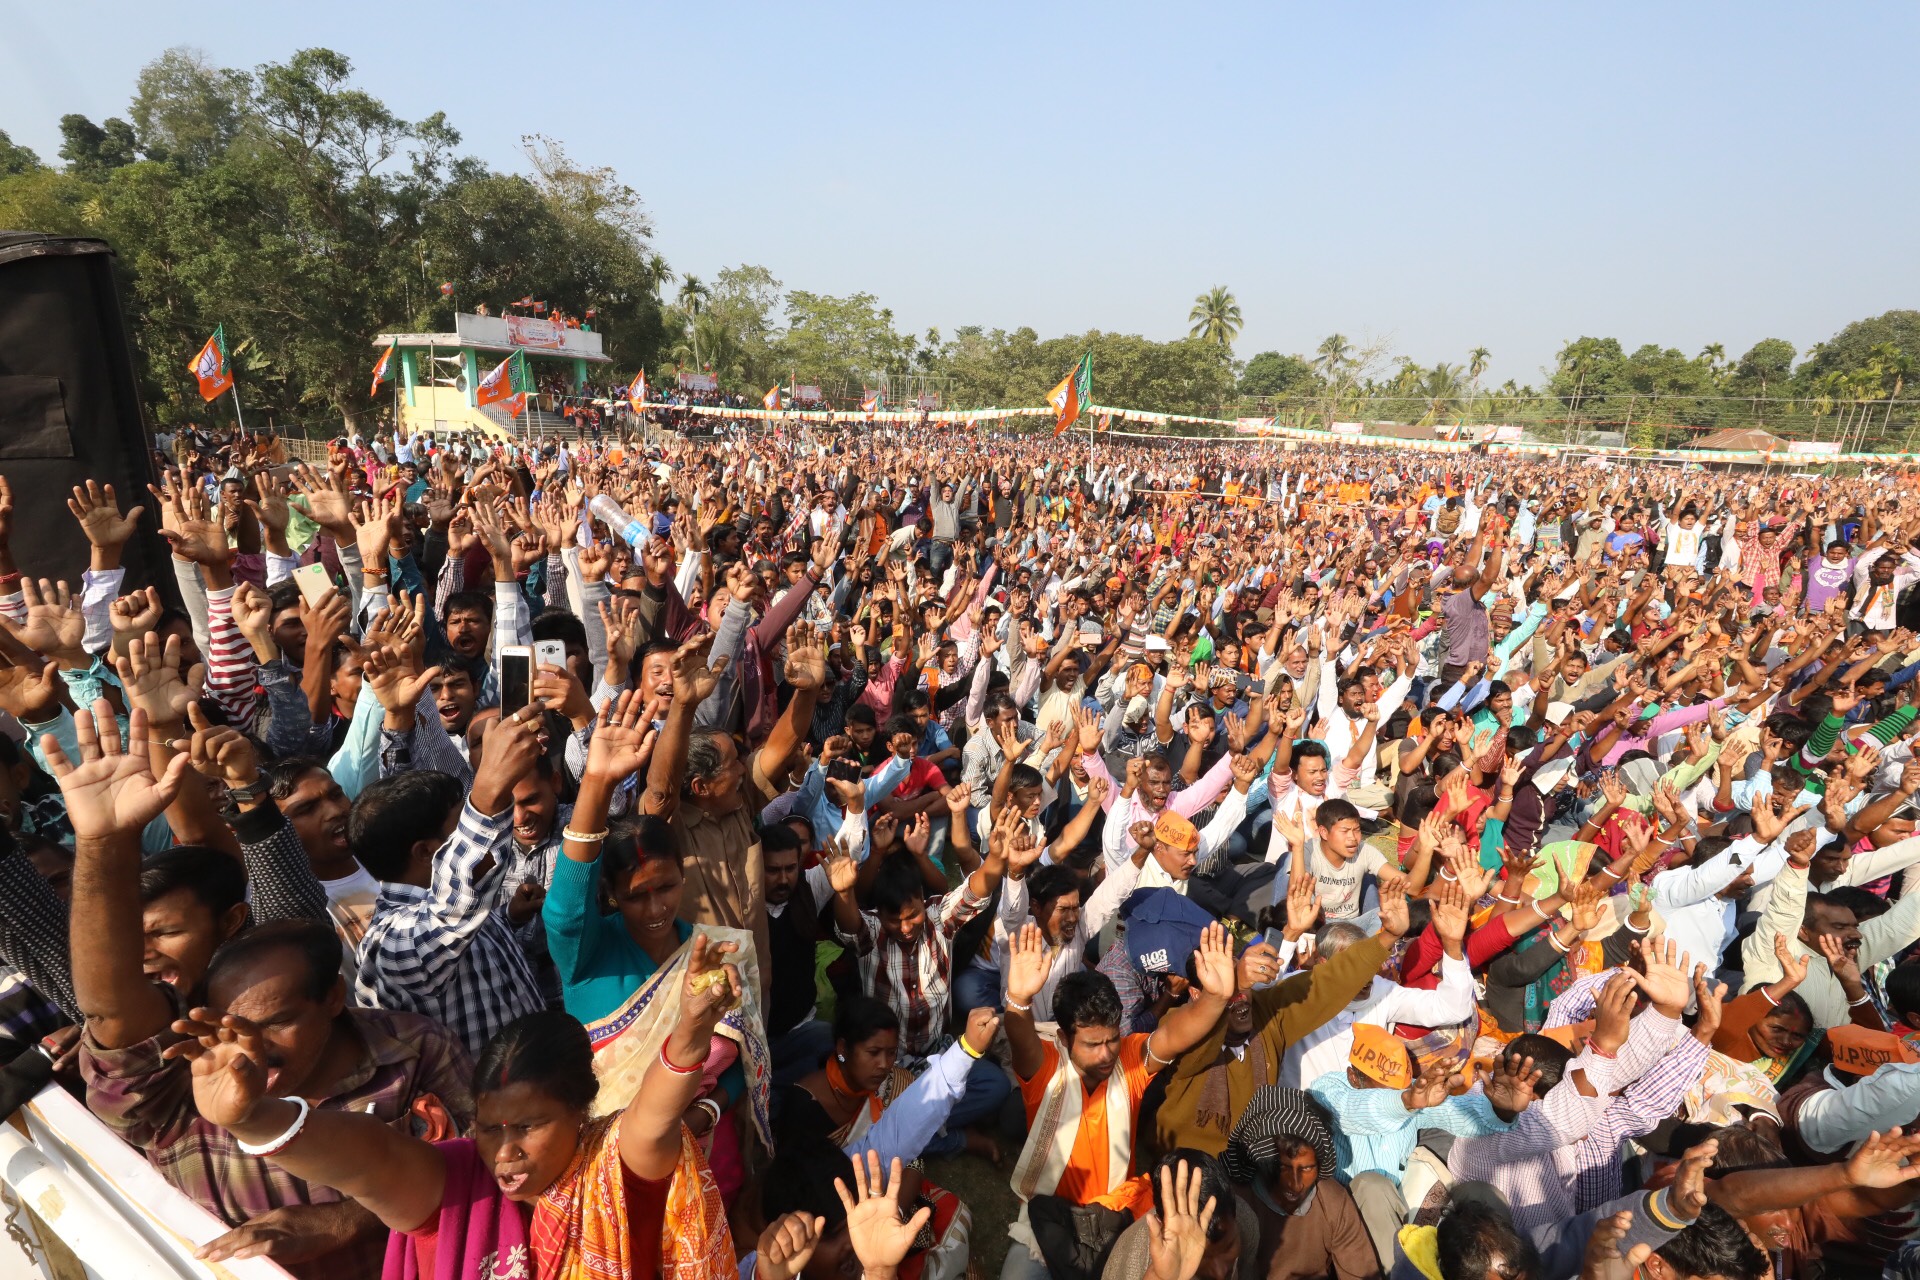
<point>1570,1036</point>
<point>1380,1056</point>
<point>1172,829</point>
<point>1861,1051</point>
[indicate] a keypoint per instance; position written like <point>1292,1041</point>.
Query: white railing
<point>110,1209</point>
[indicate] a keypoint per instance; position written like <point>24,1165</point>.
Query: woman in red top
<point>544,1187</point>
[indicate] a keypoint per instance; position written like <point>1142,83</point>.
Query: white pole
<point>235,388</point>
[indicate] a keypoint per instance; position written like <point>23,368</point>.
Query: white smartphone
<point>516,677</point>
<point>550,653</point>
<point>316,585</point>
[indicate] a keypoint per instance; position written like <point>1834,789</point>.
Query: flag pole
<point>235,388</point>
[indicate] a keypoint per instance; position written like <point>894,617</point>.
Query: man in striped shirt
<point>437,945</point>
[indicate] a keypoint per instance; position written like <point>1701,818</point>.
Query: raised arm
<point>111,795</point>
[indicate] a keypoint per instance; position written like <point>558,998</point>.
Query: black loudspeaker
<point>69,406</point>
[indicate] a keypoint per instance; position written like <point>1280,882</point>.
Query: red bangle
<point>693,1070</point>
<point>1597,1052</point>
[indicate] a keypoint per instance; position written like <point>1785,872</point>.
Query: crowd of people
<point>593,859</point>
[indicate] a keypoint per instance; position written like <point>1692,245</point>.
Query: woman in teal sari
<point>620,969</point>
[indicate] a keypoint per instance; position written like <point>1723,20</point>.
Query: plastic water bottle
<point>614,516</point>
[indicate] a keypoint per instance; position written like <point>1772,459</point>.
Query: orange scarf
<point>580,1229</point>
<point>838,1082</point>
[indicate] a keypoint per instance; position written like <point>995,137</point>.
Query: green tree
<point>1441,391</point>
<point>1477,363</point>
<point>1851,349</point>
<point>1272,374</point>
<point>15,159</point>
<point>185,110</point>
<point>94,150</point>
<point>840,343</point>
<point>1766,367</point>
<point>1215,317</point>
<point>1332,356</point>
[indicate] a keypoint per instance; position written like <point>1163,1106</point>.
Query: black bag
<point>1074,1239</point>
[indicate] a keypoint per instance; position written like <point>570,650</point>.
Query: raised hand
<point>1885,1160</point>
<point>55,626</point>
<point>1450,916</point>
<point>983,1024</point>
<point>393,680</point>
<point>111,791</point>
<point>1429,1088</point>
<point>787,1245</point>
<point>1793,969</point>
<point>712,982</point>
<point>31,694</point>
<point>1394,916</point>
<point>150,677</point>
<point>376,530</point>
<point>842,871</point>
<point>880,1238</point>
<point>1710,999</point>
<point>1603,1259</point>
<point>220,754</point>
<point>1177,1233</point>
<point>98,511</point>
<point>190,533</point>
<point>1028,963</point>
<point>135,614</point>
<point>693,678</point>
<point>1612,1012</point>
<point>806,667</point>
<point>1213,963</point>
<point>253,614</point>
<point>1303,904</point>
<point>1511,1084</point>
<point>1665,981</point>
<point>623,739</point>
<point>229,1064</point>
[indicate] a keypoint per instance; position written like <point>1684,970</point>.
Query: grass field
<point>987,1192</point>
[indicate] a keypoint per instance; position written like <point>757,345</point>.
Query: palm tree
<point>1714,354</point>
<point>658,273</point>
<point>1440,392</point>
<point>1332,355</point>
<point>1477,363</point>
<point>1215,317</point>
<point>693,295</point>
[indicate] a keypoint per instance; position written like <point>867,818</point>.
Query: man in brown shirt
<point>1282,1159</point>
<point>709,792</point>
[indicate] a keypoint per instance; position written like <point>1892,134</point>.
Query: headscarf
<point>1276,1112</point>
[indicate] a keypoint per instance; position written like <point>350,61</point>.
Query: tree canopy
<point>291,205</point>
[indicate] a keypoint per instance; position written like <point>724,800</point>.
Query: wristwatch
<point>252,793</point>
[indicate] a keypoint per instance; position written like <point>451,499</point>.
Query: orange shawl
<point>580,1231</point>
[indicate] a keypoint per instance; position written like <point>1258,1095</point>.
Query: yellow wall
<point>443,409</point>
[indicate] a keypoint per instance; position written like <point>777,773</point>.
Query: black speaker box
<point>69,406</point>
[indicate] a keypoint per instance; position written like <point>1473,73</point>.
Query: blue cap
<point>1163,930</point>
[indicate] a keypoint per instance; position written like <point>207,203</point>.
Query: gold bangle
<point>968,1049</point>
<point>583,837</point>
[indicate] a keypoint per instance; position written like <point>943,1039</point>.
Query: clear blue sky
<point>1441,175</point>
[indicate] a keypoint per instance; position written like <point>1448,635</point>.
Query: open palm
<point>228,1064</point>
<point>110,791</point>
<point>880,1239</point>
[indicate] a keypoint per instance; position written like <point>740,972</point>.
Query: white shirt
<point>1697,918</point>
<point>1070,957</point>
<point>1832,1120</point>
<point>1326,1047</point>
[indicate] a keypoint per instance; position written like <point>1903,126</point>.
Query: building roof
<point>534,336</point>
<point>1740,440</point>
